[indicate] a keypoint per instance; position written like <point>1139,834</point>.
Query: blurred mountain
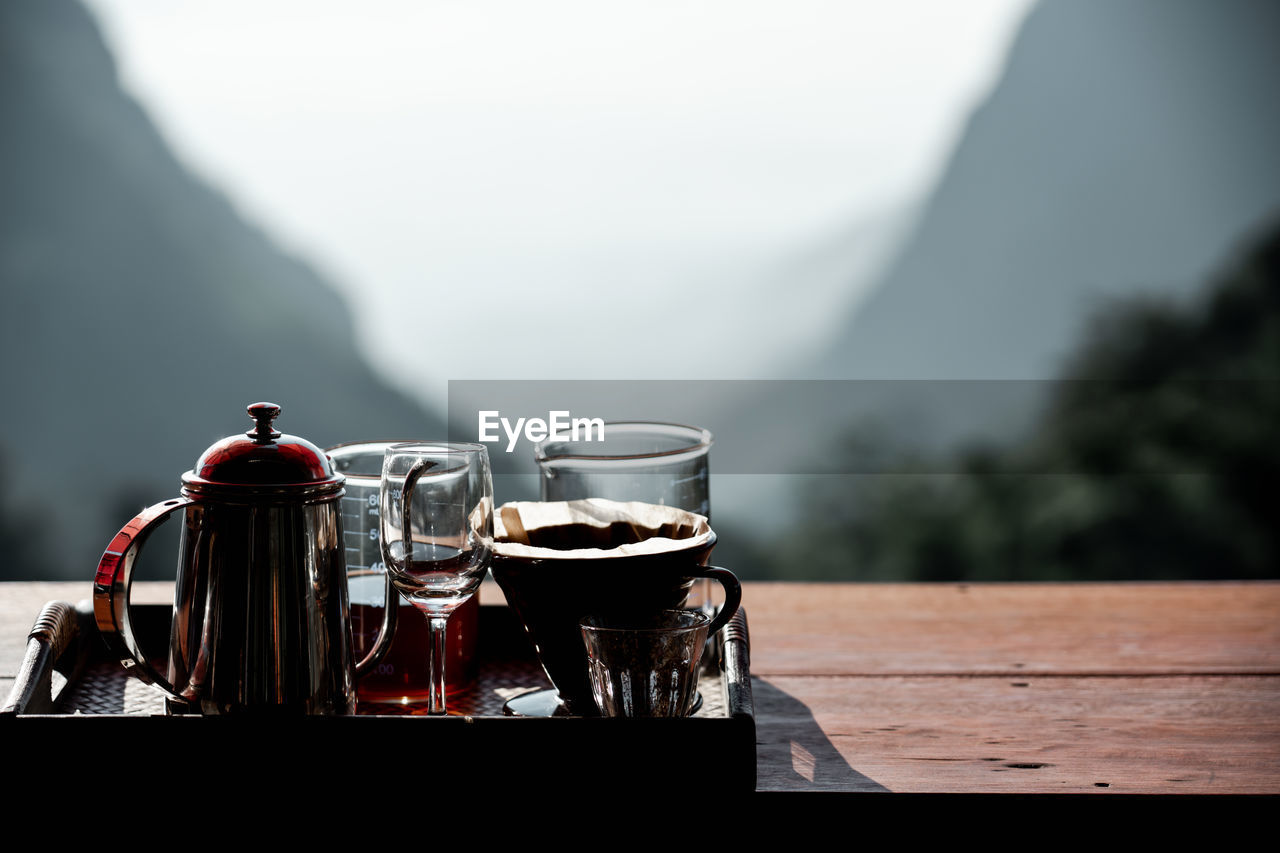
<point>1127,148</point>
<point>142,312</point>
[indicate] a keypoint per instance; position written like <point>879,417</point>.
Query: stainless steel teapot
<point>260,615</point>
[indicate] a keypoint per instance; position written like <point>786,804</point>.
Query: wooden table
<point>981,688</point>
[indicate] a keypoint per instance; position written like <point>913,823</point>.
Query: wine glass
<point>437,533</point>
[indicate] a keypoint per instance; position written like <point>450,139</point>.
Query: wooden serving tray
<point>69,694</point>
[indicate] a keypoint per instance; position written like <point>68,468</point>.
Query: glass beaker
<point>648,461</point>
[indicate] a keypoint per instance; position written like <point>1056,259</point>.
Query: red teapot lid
<point>263,456</point>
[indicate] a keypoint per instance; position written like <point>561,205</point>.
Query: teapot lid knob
<point>263,414</point>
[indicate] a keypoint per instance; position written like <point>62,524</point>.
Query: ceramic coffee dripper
<point>562,578</point>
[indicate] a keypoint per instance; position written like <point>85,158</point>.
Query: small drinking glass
<point>437,533</point>
<point>648,670</point>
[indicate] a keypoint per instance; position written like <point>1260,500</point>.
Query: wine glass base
<point>539,703</point>
<point>546,703</point>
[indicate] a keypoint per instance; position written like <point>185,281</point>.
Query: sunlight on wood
<point>802,761</point>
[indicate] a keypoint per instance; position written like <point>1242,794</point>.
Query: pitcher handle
<point>386,633</point>
<point>392,596</point>
<point>111,586</point>
<point>732,595</point>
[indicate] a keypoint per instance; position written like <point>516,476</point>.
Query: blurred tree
<point>1155,459</point>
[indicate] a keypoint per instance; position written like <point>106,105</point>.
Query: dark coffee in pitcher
<point>403,676</point>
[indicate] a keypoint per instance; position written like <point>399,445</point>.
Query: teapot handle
<point>111,591</point>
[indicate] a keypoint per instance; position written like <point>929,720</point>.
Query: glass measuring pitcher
<point>403,675</point>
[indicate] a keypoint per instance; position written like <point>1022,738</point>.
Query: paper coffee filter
<point>526,528</point>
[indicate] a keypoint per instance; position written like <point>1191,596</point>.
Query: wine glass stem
<point>438,636</point>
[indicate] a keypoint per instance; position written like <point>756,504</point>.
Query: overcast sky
<point>571,189</point>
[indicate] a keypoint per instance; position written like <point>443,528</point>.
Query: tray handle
<point>55,630</point>
<point>735,663</point>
